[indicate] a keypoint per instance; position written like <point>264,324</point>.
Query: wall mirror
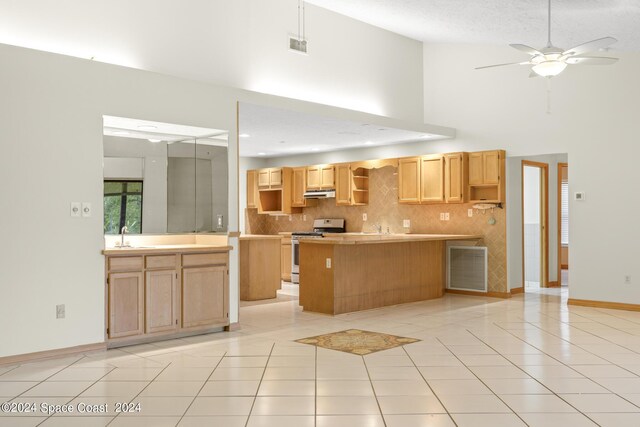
<point>162,178</point>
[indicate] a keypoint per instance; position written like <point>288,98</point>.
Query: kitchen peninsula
<point>342,274</point>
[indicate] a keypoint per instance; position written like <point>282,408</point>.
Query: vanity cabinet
<point>320,177</point>
<point>486,176</point>
<point>151,295</point>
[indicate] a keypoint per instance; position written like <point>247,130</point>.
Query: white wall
<point>594,120</point>
<point>239,43</point>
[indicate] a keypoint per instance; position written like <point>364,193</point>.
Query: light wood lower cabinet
<point>165,294</point>
<point>126,304</point>
<point>160,301</point>
<point>203,294</point>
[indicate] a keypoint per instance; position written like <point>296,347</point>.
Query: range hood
<point>320,194</point>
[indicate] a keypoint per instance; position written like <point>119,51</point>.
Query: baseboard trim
<point>604,304</point>
<point>232,327</point>
<point>50,354</point>
<point>555,284</point>
<point>479,294</point>
<point>515,291</point>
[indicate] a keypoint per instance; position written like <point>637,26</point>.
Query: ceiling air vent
<point>297,45</point>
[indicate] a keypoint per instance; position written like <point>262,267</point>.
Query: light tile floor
<point>530,360</point>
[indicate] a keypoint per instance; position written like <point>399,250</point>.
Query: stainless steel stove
<point>320,226</point>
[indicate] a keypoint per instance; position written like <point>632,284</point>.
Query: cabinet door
<point>432,178</point>
<point>285,260</point>
<point>327,177</point>
<point>491,167</point>
<point>275,177</point>
<point>126,304</point>
<point>343,185</point>
<point>299,187</point>
<point>313,178</point>
<point>252,189</point>
<point>453,178</point>
<point>476,169</point>
<point>409,180</point>
<point>161,301</point>
<point>204,291</point>
<point>263,178</point>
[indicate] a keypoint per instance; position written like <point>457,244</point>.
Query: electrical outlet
<point>627,280</point>
<point>328,263</point>
<point>406,223</point>
<point>60,311</point>
<point>469,213</point>
<point>76,210</point>
<point>86,209</point>
<point>364,216</point>
<point>441,216</point>
<point>579,196</point>
<point>446,216</point>
<point>304,217</point>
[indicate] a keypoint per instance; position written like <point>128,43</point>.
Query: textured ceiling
<point>500,21</point>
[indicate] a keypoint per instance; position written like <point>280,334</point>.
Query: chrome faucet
<point>122,233</point>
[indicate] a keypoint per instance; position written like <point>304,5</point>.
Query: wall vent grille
<point>467,268</point>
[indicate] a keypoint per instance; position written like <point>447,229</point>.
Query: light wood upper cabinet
<point>161,301</point>
<point>320,177</point>
<point>455,177</point>
<point>299,186</point>
<point>264,180</point>
<point>277,197</point>
<point>432,178</point>
<point>343,185</point>
<point>204,290</point>
<point>409,180</point>
<point>270,178</point>
<point>125,304</point>
<point>486,176</point>
<point>252,189</point>
<point>275,177</point>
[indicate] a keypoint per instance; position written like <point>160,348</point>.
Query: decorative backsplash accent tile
<point>384,210</point>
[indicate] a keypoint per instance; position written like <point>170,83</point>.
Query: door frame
<point>544,219</point>
<point>560,166</point>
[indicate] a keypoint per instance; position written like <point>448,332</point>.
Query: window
<point>122,206</point>
<point>564,213</point>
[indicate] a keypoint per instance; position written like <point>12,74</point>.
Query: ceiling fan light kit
<point>551,61</point>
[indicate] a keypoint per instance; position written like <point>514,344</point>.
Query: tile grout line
<point>375,395</point>
<point>259,384</point>
<point>429,385</point>
<point>203,385</point>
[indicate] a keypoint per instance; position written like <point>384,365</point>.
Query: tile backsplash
<point>384,210</point>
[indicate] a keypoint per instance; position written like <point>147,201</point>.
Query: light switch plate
<point>441,216</point>
<point>86,209</point>
<point>364,216</point>
<point>76,209</point>
<point>406,223</point>
<point>579,196</point>
<point>446,216</point>
<point>328,262</point>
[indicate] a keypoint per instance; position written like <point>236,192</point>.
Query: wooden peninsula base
<point>342,275</point>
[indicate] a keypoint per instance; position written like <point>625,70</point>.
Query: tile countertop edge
<point>377,239</point>
<point>260,236</point>
<point>162,249</point>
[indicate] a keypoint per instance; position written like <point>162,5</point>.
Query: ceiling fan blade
<point>591,46</point>
<point>526,49</point>
<point>591,60</point>
<point>502,65</point>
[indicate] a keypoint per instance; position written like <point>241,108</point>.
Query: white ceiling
<point>168,132</point>
<point>500,21</point>
<point>274,132</point>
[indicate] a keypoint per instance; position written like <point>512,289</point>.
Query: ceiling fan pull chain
<point>549,26</point>
<point>548,95</point>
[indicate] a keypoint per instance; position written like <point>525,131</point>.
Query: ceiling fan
<point>551,60</point>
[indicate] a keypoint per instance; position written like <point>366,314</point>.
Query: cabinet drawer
<point>193,260</point>
<point>161,261</point>
<point>129,263</point>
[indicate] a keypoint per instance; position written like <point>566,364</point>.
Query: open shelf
<point>270,200</point>
<point>360,187</point>
<point>484,193</point>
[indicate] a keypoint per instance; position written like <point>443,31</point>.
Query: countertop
<point>366,238</point>
<point>259,236</point>
<point>145,250</point>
